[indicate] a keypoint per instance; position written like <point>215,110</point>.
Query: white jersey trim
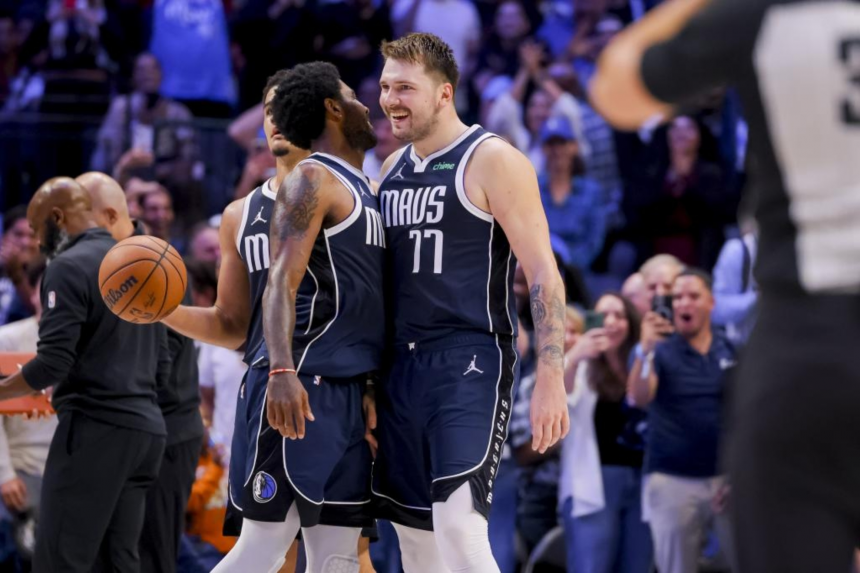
<point>336,308</point>
<point>313,300</point>
<point>246,206</point>
<point>421,165</point>
<point>399,153</point>
<point>259,432</point>
<point>460,181</point>
<point>357,207</point>
<point>268,191</point>
<point>287,473</point>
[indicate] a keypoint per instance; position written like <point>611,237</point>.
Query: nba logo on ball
<point>265,487</point>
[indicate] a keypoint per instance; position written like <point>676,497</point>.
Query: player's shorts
<point>238,461</point>
<point>443,410</point>
<point>327,473</point>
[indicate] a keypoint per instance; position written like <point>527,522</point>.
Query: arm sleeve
<point>64,303</point>
<point>709,51</point>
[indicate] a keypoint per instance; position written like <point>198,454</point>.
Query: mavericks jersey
<point>340,314</point>
<point>252,241</point>
<point>451,268</point>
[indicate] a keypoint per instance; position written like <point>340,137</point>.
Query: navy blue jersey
<point>340,315</point>
<point>252,241</point>
<point>451,268</point>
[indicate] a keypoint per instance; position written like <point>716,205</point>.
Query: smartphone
<point>594,320</point>
<point>662,305</point>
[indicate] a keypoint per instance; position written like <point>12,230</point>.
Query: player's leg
<point>470,401</point>
<point>794,463</point>
<point>419,550</point>
<point>261,545</point>
<point>332,549</point>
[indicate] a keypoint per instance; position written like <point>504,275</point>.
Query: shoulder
<point>231,218</point>
<point>498,158</point>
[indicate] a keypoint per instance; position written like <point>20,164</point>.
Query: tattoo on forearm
<point>295,208</point>
<point>548,315</point>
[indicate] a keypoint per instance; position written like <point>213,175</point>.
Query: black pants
<point>93,496</point>
<point>165,507</point>
<point>795,458</point>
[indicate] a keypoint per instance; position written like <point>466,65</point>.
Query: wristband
<point>282,371</point>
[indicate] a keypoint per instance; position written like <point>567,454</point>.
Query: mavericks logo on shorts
<point>265,487</point>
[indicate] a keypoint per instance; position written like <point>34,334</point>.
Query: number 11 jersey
<point>451,267</point>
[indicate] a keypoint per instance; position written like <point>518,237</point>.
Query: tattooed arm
<point>510,193</point>
<point>300,209</point>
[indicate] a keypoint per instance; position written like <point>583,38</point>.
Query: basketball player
<point>111,434</point>
<point>796,64</point>
<point>460,207</point>
<point>324,327</point>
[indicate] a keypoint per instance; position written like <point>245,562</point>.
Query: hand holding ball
<point>142,279</point>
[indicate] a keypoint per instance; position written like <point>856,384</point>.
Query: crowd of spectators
<point>164,95</point>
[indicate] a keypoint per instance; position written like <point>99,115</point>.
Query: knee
<point>461,536</point>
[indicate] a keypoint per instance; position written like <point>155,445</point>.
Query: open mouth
<point>686,318</point>
<point>398,116</point>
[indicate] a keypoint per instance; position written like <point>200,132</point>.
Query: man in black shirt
<point>108,445</point>
<point>179,401</point>
<point>796,65</point>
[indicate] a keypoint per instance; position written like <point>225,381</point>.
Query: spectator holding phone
<point>601,481</point>
<point>681,377</point>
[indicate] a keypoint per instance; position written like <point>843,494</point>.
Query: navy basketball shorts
<point>443,410</point>
<point>237,471</point>
<point>327,473</point>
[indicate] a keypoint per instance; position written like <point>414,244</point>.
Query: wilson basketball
<point>142,279</point>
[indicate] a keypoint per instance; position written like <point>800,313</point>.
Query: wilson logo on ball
<point>114,296</point>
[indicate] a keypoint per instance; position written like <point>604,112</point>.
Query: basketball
<point>142,279</point>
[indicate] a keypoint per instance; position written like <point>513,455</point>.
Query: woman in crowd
<point>600,487</point>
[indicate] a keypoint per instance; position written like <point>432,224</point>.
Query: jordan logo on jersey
<point>413,207</point>
<point>472,367</point>
<point>399,174</point>
<point>259,217</point>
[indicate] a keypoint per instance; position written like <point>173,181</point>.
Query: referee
<point>108,445</point>
<point>179,400</point>
<point>795,460</point>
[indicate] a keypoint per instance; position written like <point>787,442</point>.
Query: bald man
<point>110,438</point>
<point>636,290</point>
<point>110,207</point>
<point>179,401</point>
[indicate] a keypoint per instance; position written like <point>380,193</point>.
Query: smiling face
<point>412,99</point>
<point>692,304</point>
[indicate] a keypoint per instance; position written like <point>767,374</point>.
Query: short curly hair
<point>298,108</point>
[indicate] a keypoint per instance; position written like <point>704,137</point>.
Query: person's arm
<point>732,304</point>
<point>244,129</point>
<point>510,186</point>
<point>226,323</point>
<point>644,377</point>
<point>12,489</point>
<point>678,50</point>
<point>300,210</point>
<point>59,330</point>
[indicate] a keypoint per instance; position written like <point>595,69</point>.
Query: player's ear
<point>58,216</point>
<point>111,216</point>
<point>334,108</point>
<point>446,94</point>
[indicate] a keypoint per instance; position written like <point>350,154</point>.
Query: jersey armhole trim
<point>394,163</point>
<point>460,181</point>
<point>356,209</point>
<point>267,189</point>
<point>245,207</point>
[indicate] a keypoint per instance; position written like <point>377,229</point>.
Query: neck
<point>284,165</point>
<point>79,224</point>
<point>701,341</point>
<point>447,131</point>
<point>335,144</point>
